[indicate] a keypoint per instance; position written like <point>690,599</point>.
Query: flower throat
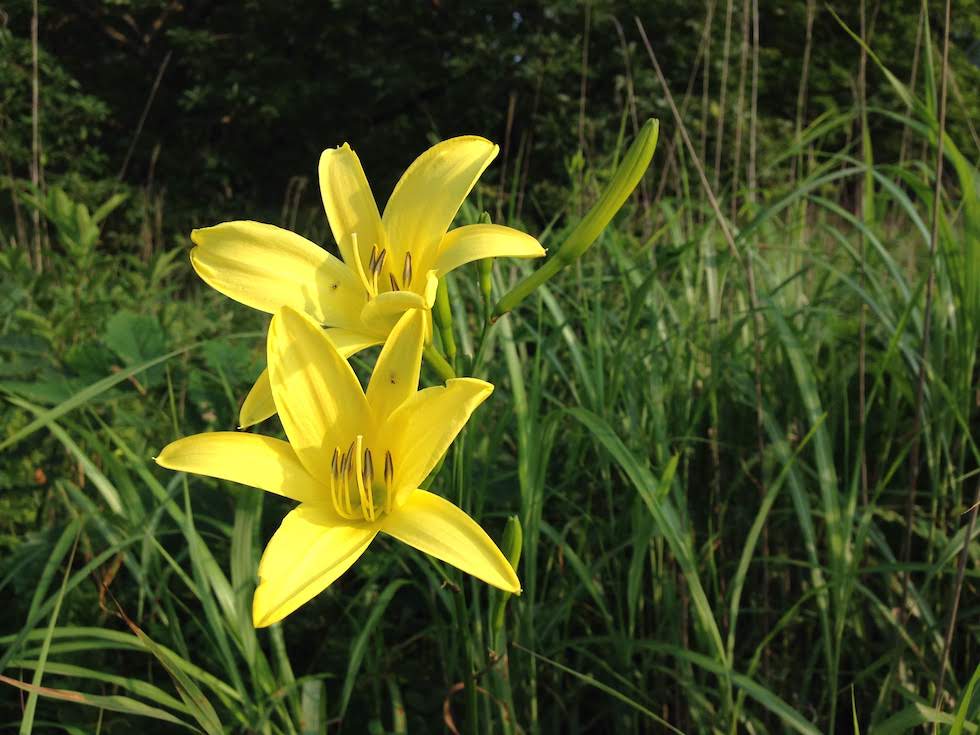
<point>352,483</point>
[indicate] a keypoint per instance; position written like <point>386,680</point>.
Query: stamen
<point>368,468</point>
<point>348,465</point>
<point>394,283</point>
<point>407,271</point>
<point>374,258</point>
<point>334,461</point>
<point>367,507</point>
<point>376,264</point>
<point>389,480</point>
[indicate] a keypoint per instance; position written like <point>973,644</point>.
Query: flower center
<point>354,490</point>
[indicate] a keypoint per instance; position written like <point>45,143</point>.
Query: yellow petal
<point>420,430</point>
<point>311,549</point>
<point>475,242</point>
<point>437,527</point>
<point>381,313</point>
<point>429,194</point>
<point>396,374</point>
<point>266,267</point>
<point>321,404</point>
<point>349,342</point>
<point>258,404</point>
<point>430,288</point>
<point>349,203</point>
<point>251,459</point>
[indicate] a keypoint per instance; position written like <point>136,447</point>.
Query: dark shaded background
<point>250,93</point>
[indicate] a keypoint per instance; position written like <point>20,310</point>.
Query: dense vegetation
<point>739,434</point>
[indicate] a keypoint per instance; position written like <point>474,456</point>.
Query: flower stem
<point>438,362</point>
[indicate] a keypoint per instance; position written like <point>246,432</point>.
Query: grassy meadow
<point>739,434</point>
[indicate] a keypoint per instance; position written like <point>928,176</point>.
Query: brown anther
<point>394,283</point>
<point>334,462</point>
<point>379,263</point>
<point>348,463</point>
<point>407,271</point>
<point>389,470</point>
<point>368,469</point>
<point>374,258</point>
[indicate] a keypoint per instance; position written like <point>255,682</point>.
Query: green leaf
<point>136,338</point>
<point>113,703</point>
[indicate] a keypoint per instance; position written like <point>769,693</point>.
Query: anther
<point>389,481</point>
<point>374,257</point>
<point>407,271</point>
<point>348,466</point>
<point>339,484</point>
<point>366,506</point>
<point>379,262</point>
<point>394,283</point>
<point>368,470</point>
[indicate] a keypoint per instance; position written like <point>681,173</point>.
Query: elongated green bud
<point>627,176</point>
<point>444,316</point>
<point>512,546</point>
<point>486,281</point>
<point>486,272</point>
<point>513,541</point>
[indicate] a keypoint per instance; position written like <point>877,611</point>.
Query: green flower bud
<point>627,176</point>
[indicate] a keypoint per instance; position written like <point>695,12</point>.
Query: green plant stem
<point>438,362</point>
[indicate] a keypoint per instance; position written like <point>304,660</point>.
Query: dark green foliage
<point>251,93</point>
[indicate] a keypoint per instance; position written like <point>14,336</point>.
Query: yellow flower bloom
<point>354,461</point>
<point>391,262</point>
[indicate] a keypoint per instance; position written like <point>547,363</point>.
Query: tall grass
<point>712,487</point>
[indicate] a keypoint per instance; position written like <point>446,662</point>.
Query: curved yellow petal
<point>475,242</point>
<point>311,549</point>
<point>381,313</point>
<point>251,459</point>
<point>266,267</point>
<point>321,404</point>
<point>258,404</point>
<point>437,527</point>
<point>430,288</point>
<point>349,342</point>
<point>396,373</point>
<point>348,201</point>
<point>420,430</point>
<point>429,194</point>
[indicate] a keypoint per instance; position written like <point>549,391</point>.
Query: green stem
<point>438,362</point>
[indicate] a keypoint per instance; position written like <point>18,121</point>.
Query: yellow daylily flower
<point>390,263</point>
<point>354,461</point>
